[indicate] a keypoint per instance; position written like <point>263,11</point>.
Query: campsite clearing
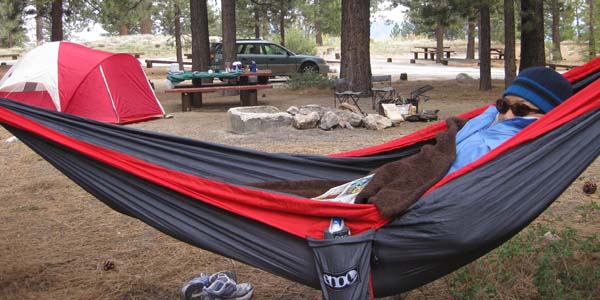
<point>58,237</point>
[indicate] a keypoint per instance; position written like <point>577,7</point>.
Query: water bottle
<point>337,229</point>
<point>253,67</point>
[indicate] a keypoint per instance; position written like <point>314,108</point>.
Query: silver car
<point>268,55</point>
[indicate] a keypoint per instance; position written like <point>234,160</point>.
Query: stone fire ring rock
<point>252,119</point>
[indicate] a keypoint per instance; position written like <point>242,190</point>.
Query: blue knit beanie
<point>541,86</point>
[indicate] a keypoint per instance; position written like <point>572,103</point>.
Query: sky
<point>379,29</point>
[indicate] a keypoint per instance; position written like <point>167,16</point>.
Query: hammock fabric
<point>199,193</point>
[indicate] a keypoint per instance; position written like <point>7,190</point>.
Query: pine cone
<point>589,187</point>
<point>108,265</point>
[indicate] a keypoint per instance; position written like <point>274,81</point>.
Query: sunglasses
<point>518,109</point>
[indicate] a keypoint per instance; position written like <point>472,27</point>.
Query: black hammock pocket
<point>344,266</point>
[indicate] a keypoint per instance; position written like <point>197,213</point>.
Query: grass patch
<point>309,80</point>
<point>588,210</point>
<point>534,266</point>
<point>26,208</point>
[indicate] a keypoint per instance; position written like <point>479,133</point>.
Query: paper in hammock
<point>199,193</point>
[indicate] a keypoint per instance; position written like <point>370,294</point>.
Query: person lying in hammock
<point>394,186</point>
<point>534,92</point>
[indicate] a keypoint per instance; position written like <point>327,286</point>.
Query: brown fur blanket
<point>396,185</point>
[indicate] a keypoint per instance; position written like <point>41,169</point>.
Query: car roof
<point>248,41</point>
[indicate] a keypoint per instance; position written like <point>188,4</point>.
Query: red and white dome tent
<point>94,84</point>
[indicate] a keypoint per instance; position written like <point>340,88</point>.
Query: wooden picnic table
<point>495,51</point>
<point>429,52</point>
<point>248,83</point>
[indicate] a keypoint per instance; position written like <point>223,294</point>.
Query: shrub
<point>298,42</point>
<point>307,80</point>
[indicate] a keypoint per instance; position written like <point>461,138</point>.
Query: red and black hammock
<point>199,193</point>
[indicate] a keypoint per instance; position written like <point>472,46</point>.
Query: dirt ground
<point>56,237</point>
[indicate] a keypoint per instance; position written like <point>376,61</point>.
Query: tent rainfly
<point>94,84</point>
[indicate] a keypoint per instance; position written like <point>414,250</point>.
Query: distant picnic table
<point>150,62</point>
<point>499,52</point>
<point>430,51</point>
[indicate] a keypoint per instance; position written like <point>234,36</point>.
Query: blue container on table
<point>253,67</point>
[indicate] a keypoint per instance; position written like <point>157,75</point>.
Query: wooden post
<point>186,104</point>
<point>249,97</point>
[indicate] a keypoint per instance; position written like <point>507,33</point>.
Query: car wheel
<point>309,68</point>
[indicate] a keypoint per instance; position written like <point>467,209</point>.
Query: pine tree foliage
<point>12,15</point>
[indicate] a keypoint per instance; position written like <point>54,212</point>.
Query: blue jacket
<point>482,134</point>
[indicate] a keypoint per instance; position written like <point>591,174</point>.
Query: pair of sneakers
<point>218,286</point>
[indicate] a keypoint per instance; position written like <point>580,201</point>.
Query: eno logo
<point>341,281</point>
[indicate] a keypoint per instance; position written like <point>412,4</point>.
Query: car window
<point>240,48</point>
<point>251,49</point>
<point>273,50</point>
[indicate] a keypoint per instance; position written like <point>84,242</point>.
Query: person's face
<point>515,104</point>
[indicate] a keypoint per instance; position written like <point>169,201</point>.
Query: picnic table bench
<point>460,60</point>
<point>136,54</point>
<point>553,66</point>
<point>191,94</point>
<point>149,62</point>
<point>14,56</point>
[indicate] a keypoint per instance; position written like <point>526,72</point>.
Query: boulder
<point>293,110</point>
<point>307,121</point>
<point>463,77</point>
<point>354,119</point>
<point>377,122</point>
<point>329,120</point>
<point>306,109</point>
<point>349,107</point>
<point>251,119</point>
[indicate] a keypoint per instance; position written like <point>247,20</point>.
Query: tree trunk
<point>592,41</point>
<point>39,21</point>
<point>265,24</point>
<point>178,47</point>
<point>485,70</point>
<point>471,37</point>
<point>146,22</point>
<point>318,32</point>
<point>57,24</point>
<point>146,26</point>
<point>577,29</point>
<point>439,37</point>
<point>510,66</point>
<point>556,53</point>
<point>256,22</point>
<point>123,29</point>
<point>200,44</point>
<point>532,34</point>
<point>229,29</point>
<point>284,6</point>
<point>355,65</point>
